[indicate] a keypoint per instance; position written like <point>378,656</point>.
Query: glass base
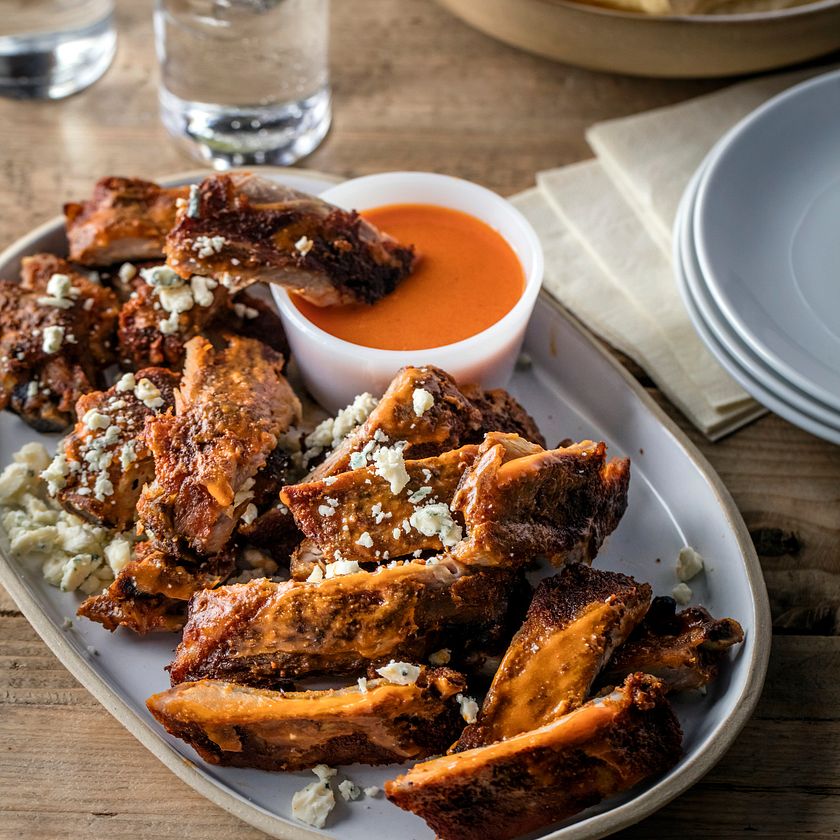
<point>56,64</point>
<point>226,135</point>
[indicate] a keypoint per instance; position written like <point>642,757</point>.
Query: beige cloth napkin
<point>605,224</point>
<point>606,229</point>
<point>608,306</point>
<point>651,157</point>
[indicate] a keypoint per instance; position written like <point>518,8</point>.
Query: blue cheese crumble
<point>399,673</point>
<point>422,401</point>
<point>70,553</point>
<point>313,804</point>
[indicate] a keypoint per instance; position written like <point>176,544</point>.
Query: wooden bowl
<point>657,45</point>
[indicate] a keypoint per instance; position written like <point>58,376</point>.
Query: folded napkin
<point>574,277</point>
<point>606,227</point>
<point>651,157</point>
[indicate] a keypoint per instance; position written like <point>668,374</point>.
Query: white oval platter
<point>574,389</point>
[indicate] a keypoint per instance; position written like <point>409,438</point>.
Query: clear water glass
<point>50,49</point>
<point>244,81</point>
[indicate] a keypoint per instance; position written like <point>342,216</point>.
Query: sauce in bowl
<point>467,279</point>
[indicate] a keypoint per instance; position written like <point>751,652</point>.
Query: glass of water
<point>244,81</point>
<point>52,48</point>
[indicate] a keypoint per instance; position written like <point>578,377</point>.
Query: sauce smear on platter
<point>468,278</point>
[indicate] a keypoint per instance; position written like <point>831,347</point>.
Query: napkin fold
<point>576,279</point>
<point>606,228</point>
<point>650,157</point>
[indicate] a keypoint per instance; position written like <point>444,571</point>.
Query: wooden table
<point>416,89</point>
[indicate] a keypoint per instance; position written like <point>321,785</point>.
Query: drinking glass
<point>52,48</point>
<point>244,81</point>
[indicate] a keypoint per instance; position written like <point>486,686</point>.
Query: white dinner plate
<point>573,389</point>
<point>766,234</point>
<point>741,375</point>
<point>761,381</point>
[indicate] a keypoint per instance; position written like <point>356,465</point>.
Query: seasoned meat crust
<point>520,501</point>
<point>683,649</point>
<point>125,219</point>
<point>362,503</point>
<point>240,726</point>
<point>233,404</point>
<point>151,592</point>
<point>500,412</point>
<point>142,341</point>
<point>532,780</point>
<point>246,229</point>
<point>260,632</point>
<point>112,449</point>
<point>451,419</point>
<point>39,382</point>
<point>576,620</point>
<point>147,337</point>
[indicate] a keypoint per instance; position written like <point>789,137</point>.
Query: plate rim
<point>592,828</point>
<point>718,152</point>
<point>689,272</point>
<point>729,360</point>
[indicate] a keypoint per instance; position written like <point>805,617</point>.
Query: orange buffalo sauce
<point>468,278</point>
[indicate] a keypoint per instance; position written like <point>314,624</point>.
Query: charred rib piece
<point>259,632</point>
<point>574,623</point>
<point>53,347</point>
<point>337,514</point>
<point>151,592</point>
<point>233,406</point>
<point>165,311</point>
<point>151,334</point>
<point>247,229</point>
<point>500,412</point>
<point>125,219</point>
<point>273,730</point>
<point>274,531</point>
<point>106,463</point>
<point>520,501</point>
<point>683,649</point>
<point>538,778</point>
<point>451,421</point>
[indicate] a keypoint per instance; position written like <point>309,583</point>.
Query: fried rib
<point>259,632</point>
<point>233,406</point>
<point>538,778</point>
<point>682,649</point>
<point>125,219</point>
<point>145,334</point>
<point>151,592</point>
<point>240,726</point>
<point>500,412</point>
<point>520,501</point>
<point>452,420</point>
<point>245,229</point>
<point>576,620</point>
<point>335,514</point>
<point>41,381</point>
<point>107,462</point>
<point>150,335</point>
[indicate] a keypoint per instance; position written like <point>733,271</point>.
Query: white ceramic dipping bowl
<point>335,371</point>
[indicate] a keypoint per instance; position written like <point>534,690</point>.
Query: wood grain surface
<point>416,89</point>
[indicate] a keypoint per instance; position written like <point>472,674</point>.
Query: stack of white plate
<point>757,254</point>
